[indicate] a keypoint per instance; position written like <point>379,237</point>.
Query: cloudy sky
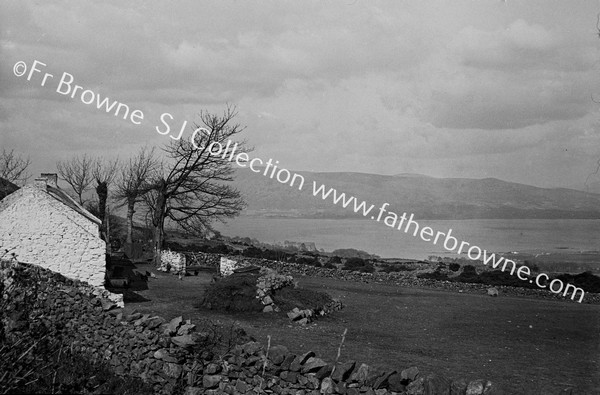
<point>449,89</point>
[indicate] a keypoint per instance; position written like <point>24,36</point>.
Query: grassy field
<point>527,346</point>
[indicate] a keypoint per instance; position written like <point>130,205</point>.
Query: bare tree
<point>133,183</point>
<point>13,167</point>
<point>104,172</point>
<point>192,188</point>
<point>78,172</point>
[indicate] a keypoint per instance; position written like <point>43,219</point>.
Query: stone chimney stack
<point>51,179</point>
<point>40,183</point>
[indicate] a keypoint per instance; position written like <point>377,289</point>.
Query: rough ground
<point>528,346</point>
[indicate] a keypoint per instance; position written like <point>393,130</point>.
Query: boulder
<point>493,291</point>
<point>458,387</point>
<point>277,354</point>
<point>295,314</point>
<point>327,386</point>
<point>184,341</point>
<point>360,375</point>
<point>251,348</point>
<point>305,357</point>
<point>395,383</point>
<point>410,374</point>
<point>211,381</point>
<point>343,371</point>
<point>476,387</point>
<point>186,329</point>
<point>212,368</point>
<point>173,325</point>
<point>172,370</point>
<point>436,385</point>
<point>107,304</point>
<point>382,381</point>
<point>154,322</point>
<point>416,387</point>
<point>313,364</point>
<point>325,371</point>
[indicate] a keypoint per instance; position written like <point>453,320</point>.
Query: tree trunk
<point>102,191</point>
<point>108,247</point>
<point>158,221</point>
<point>130,212</point>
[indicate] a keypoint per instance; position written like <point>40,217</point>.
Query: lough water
<point>498,235</point>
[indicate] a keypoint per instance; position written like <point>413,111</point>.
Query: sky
<point>471,89</point>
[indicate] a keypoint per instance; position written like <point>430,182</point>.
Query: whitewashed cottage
<point>43,225</point>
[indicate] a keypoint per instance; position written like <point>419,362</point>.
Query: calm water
<point>523,235</point>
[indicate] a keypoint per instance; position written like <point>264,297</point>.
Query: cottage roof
<point>6,188</point>
<point>56,193</point>
<point>63,197</point>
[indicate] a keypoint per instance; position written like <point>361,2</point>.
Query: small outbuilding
<point>43,225</point>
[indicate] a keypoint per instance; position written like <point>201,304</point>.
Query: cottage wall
<point>41,230</point>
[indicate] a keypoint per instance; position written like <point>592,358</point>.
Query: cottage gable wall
<point>41,230</point>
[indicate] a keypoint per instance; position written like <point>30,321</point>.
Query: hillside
<point>426,197</point>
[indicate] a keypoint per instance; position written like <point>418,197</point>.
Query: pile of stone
<point>267,284</point>
<point>306,316</point>
<point>301,317</point>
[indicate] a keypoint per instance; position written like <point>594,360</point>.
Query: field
<point>527,346</point>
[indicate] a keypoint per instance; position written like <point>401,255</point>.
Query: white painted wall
<point>44,231</point>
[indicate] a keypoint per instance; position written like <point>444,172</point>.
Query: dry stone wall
<point>174,355</point>
<point>407,279</point>
<point>173,262</point>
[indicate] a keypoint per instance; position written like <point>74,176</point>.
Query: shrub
<point>587,281</point>
<point>253,252</point>
<point>352,263</point>
<point>329,265</point>
<point>335,259</point>
<point>235,293</point>
<point>468,275</point>
<point>359,265</point>
<point>454,267</point>
<point>311,261</point>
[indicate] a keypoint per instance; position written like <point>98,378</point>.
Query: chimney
<point>40,183</point>
<point>51,179</point>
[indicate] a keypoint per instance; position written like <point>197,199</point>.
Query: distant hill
<point>426,197</point>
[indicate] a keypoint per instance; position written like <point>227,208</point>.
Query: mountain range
<point>426,197</point>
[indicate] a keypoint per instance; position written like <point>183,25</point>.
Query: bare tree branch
<point>193,188</point>
<point>133,183</point>
<point>78,173</point>
<point>13,167</point>
<point>104,171</point>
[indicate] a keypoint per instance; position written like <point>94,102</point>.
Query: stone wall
<point>172,262</point>
<point>227,266</point>
<point>171,355</point>
<point>40,229</point>
<point>408,279</point>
